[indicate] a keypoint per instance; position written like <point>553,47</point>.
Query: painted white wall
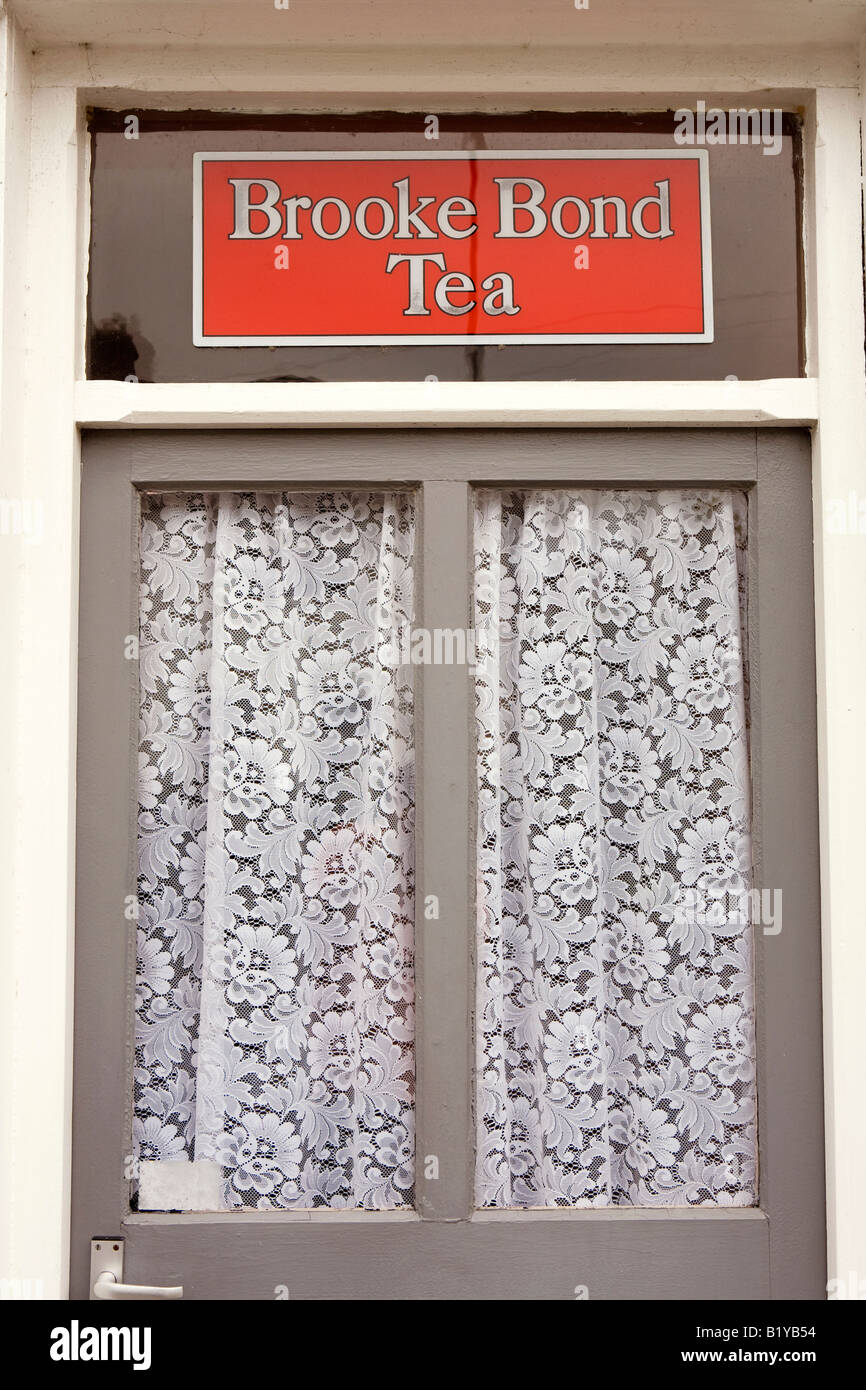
<point>43,236</point>
<point>840,594</point>
<point>484,24</point>
<point>37,582</point>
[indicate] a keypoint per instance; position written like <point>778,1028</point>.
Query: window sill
<point>383,404</point>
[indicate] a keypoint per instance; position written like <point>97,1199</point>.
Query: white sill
<point>382,404</point>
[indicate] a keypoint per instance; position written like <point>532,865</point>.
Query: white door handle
<point>106,1286</point>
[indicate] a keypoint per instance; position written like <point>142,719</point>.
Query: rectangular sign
<point>589,246</point>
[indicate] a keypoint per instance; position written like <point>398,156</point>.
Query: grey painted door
<point>445,1248</point>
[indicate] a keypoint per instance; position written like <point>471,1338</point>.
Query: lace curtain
<point>615,1035</point>
<point>275,970</point>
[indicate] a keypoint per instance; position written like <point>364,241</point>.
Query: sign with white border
<point>451,247</point>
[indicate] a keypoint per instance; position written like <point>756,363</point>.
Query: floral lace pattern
<point>276,805</point>
<point>615,1029</point>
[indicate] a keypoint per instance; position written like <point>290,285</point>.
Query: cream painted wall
<point>483,25</point>
<point>38,448</point>
<point>43,236</point>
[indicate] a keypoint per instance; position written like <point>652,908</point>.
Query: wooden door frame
<point>446,1248</point>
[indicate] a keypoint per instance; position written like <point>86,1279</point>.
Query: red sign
<point>587,246</point>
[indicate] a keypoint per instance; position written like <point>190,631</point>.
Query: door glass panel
<point>274,1038</point>
<point>615,1039</point>
<point>141,275</point>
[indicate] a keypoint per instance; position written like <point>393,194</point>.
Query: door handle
<point>106,1274</point>
<point>106,1286</point>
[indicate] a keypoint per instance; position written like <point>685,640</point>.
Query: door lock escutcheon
<point>106,1274</point>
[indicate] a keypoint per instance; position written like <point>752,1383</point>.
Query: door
<point>600,885</point>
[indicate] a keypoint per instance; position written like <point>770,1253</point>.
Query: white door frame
<point>43,401</point>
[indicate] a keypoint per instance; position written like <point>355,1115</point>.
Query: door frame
<point>46,402</point>
<point>446,1248</point>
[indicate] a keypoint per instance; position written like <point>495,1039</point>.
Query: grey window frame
<point>445,1248</point>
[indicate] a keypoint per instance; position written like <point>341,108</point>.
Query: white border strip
<point>384,404</point>
<point>836,265</point>
<point>200,339</point>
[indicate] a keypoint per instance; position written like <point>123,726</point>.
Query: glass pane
<point>615,1046</point>
<point>141,270</point>
<point>276,806</point>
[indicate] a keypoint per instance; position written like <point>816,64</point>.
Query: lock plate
<point>106,1255</point>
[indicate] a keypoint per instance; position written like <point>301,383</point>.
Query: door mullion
<point>444,860</point>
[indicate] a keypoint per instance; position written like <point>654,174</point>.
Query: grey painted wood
<point>444,864</point>
<point>615,1255</point>
<point>229,458</point>
<point>785,819</point>
<point>105,858</point>
<point>446,1251</point>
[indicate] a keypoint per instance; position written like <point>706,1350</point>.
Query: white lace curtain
<point>615,1040</point>
<point>615,1037</point>
<point>275,970</point>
